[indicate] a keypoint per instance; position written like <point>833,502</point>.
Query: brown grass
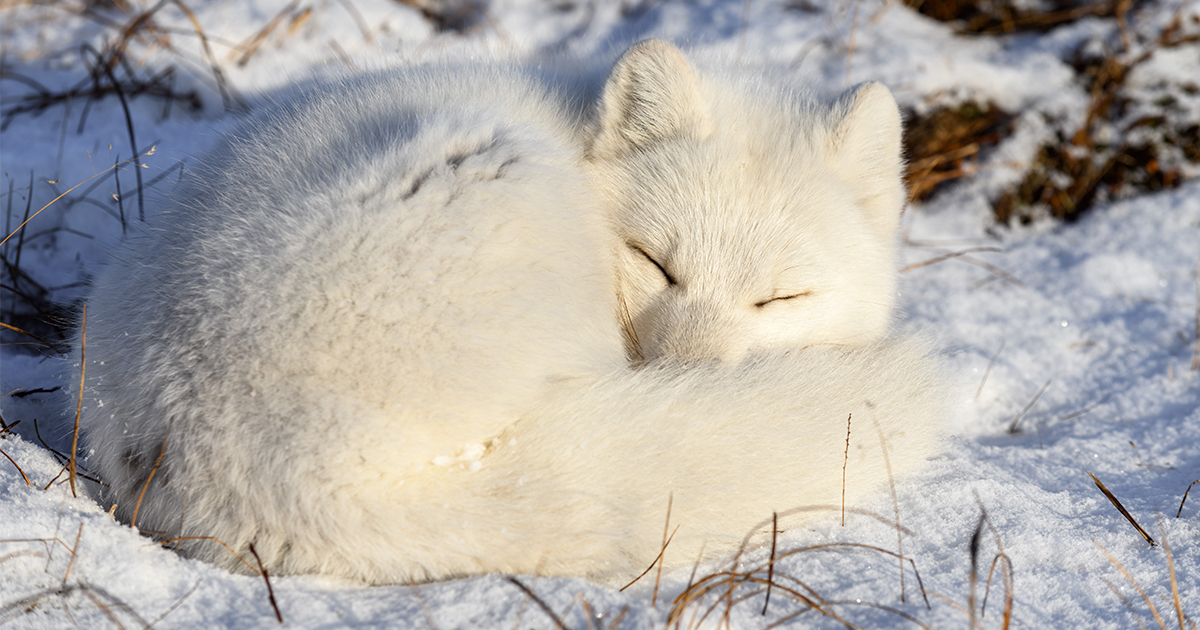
<point>1121,508</point>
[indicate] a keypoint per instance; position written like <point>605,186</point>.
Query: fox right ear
<point>650,95</point>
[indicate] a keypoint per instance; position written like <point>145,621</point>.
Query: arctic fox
<point>381,332</point>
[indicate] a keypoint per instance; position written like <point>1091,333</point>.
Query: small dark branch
<point>1185,495</point>
<point>133,146</point>
<point>1012,428</point>
<point>537,600</point>
<point>774,535</point>
<point>1121,509</point>
<point>262,570</point>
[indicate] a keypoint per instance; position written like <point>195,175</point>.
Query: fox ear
<point>650,95</point>
<point>864,151</point>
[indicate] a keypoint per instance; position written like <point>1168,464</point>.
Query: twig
<point>771,562</point>
<point>1185,493</point>
<point>262,570</point>
<point>1121,509</point>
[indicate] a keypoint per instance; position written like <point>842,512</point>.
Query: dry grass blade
<point>887,463</point>
<point>31,336</point>
<point>661,552</point>
<point>145,486</point>
<point>656,561</point>
<point>252,46</point>
<point>79,405</point>
<point>14,463</point>
<point>1121,509</point>
<point>227,98</point>
<point>74,553</point>
<point>1185,495</point>
<point>1171,569</point>
<point>177,603</point>
<point>253,569</point>
<point>1112,560</point>
<point>67,192</point>
<point>262,570</point>
<point>1012,428</point>
<point>537,600</point>
<point>988,371</point>
<point>938,259</point>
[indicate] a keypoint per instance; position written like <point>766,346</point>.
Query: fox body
<point>442,321</point>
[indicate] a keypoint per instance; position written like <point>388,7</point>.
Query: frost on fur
<point>747,217</point>
<point>378,332</point>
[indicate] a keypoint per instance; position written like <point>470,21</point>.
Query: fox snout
<point>691,332</point>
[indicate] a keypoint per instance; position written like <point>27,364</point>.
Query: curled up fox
<point>444,320</point>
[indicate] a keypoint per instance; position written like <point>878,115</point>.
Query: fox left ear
<point>650,95</point>
<point>864,150</point>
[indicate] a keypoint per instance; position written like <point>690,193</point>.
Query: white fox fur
<point>378,333</point>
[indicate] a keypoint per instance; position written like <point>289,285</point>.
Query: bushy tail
<point>581,485</point>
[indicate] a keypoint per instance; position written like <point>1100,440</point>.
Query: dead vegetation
<point>1130,141</point>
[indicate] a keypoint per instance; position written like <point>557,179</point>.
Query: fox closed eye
<point>670,279</point>
<point>783,297</point>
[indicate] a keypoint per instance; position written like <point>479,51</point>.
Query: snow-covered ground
<point>1082,335</point>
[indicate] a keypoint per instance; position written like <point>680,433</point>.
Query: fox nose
<point>694,332</point>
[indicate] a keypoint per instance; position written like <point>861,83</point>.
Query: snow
<point>1098,317</point>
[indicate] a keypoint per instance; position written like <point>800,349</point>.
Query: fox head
<point>746,216</point>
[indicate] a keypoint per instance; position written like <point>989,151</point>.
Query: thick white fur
<point>773,215</point>
<point>376,333</point>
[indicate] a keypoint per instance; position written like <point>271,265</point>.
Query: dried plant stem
<point>1185,495</point>
<point>1162,530</point>
<point>1136,586</point>
<point>74,554</point>
<point>1012,428</point>
<point>663,550</point>
<point>988,371</point>
<point>14,463</point>
<point>1121,508</point>
<point>771,562</point>
<point>262,570</point>
<point>887,462</point>
<point>161,452</point>
<point>79,405</point>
